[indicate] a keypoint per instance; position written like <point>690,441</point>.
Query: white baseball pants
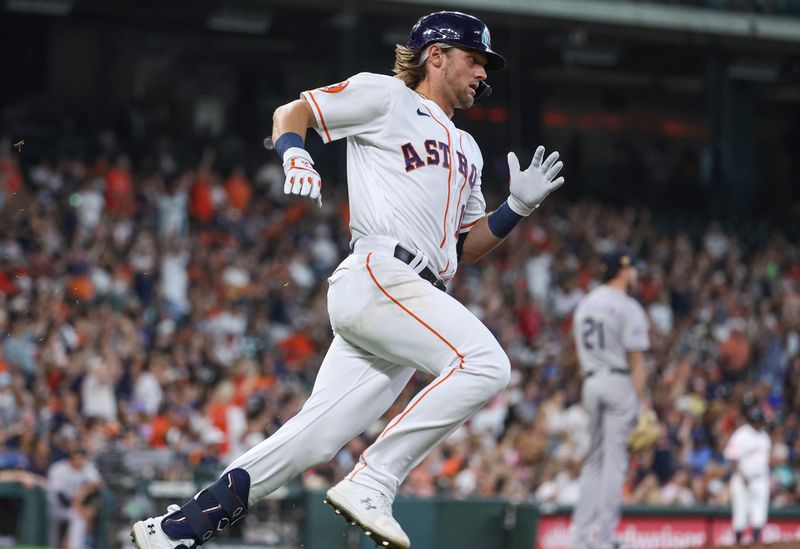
<point>749,502</point>
<point>388,322</point>
<point>77,527</point>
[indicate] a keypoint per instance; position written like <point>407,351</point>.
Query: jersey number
<point>593,334</point>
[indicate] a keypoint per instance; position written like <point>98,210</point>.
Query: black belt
<point>621,371</point>
<point>426,274</point>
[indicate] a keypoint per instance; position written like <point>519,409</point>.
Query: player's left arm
<point>528,188</point>
<point>636,341</point>
<point>478,242</point>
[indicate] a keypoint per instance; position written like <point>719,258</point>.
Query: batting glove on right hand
<point>528,188</point>
<point>301,177</point>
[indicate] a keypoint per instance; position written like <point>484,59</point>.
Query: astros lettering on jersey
<point>412,175</point>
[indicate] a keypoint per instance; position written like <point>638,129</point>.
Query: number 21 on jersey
<point>593,335</point>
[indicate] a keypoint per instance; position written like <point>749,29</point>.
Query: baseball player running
<point>611,334</point>
<point>749,450</point>
<point>414,183</point>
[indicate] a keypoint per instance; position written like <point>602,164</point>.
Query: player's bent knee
<point>212,510</point>
<point>503,371</point>
<point>497,368</point>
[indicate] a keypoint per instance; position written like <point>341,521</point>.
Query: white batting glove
<point>530,187</point>
<point>301,177</point>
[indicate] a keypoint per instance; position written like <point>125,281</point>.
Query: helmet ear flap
<point>484,90</point>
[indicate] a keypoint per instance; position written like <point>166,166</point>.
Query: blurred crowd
<point>725,327</point>
<point>777,7</point>
<point>181,305</point>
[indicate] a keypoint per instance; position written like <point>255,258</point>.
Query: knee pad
<point>212,510</point>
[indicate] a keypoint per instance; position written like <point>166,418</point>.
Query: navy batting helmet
<point>458,29</point>
<point>616,260</point>
<point>755,415</point>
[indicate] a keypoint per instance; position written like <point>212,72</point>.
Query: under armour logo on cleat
<point>419,112</point>
<point>368,504</point>
<point>151,529</point>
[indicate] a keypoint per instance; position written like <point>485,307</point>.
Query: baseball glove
<point>646,432</point>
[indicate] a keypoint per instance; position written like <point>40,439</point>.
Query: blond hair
<point>409,65</point>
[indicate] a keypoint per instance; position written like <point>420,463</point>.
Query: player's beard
<point>466,99</point>
<point>462,96</point>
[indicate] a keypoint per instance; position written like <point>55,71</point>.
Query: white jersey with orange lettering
<point>414,185</point>
<point>411,174</point>
<point>750,448</point>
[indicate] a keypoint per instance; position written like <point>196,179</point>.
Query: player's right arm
<point>355,106</point>
<point>733,451</point>
<point>290,123</point>
<point>295,117</point>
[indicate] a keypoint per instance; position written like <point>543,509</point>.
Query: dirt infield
<point>781,545</point>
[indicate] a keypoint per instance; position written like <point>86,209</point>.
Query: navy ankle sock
<point>237,482</point>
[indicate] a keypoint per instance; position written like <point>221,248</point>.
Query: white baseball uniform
<point>64,482</point>
<point>414,180</point>
<point>607,325</point>
<point>750,448</point>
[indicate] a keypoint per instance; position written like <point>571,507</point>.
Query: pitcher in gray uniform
<point>611,335</point>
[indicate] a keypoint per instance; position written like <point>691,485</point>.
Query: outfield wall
<point>439,523</point>
<point>494,524</point>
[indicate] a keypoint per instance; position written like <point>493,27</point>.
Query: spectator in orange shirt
<point>10,176</point>
<point>158,429</point>
<point>201,199</point>
<point>238,190</point>
<point>297,348</point>
<point>119,188</point>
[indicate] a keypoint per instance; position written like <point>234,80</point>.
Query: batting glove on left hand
<point>646,432</point>
<point>528,188</point>
<point>301,177</point>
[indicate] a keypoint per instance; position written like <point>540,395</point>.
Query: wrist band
<point>503,220</point>
<point>287,141</point>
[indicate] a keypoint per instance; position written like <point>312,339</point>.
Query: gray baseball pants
<point>613,408</point>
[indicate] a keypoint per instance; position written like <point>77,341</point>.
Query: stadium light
<point>229,19</point>
<point>754,71</point>
<point>41,7</point>
<point>594,56</point>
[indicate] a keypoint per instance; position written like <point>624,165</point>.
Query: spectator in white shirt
<point>73,484</point>
<point>677,492</point>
